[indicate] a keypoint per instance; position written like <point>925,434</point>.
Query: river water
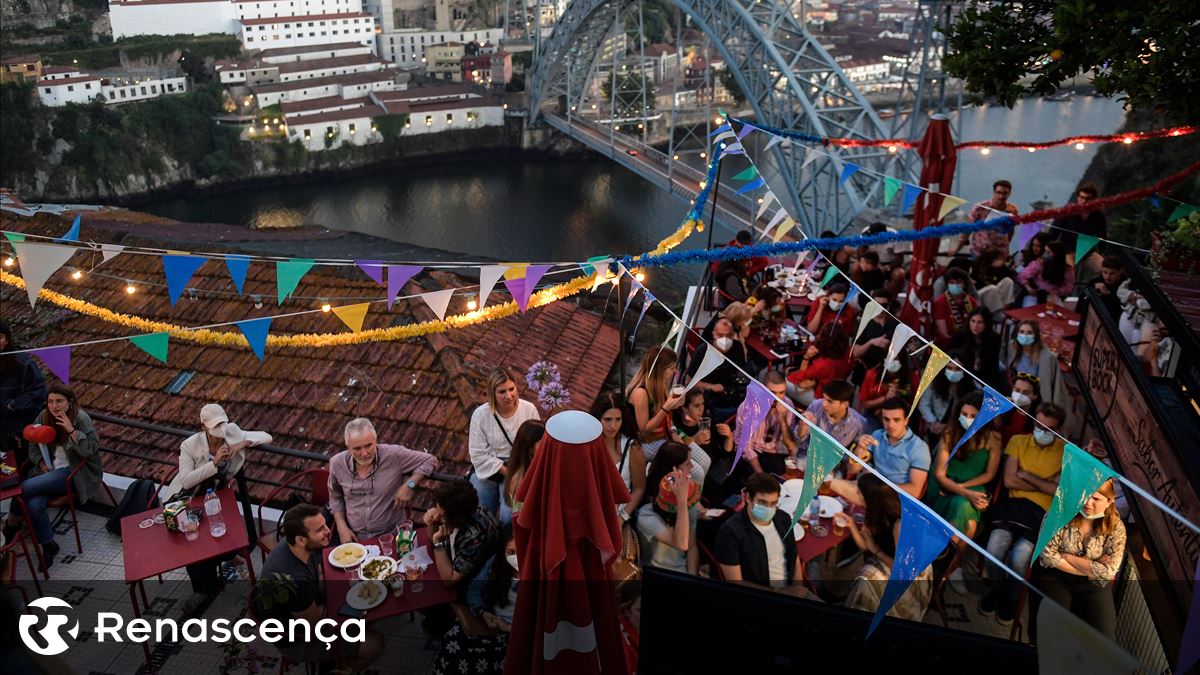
<point>572,209</point>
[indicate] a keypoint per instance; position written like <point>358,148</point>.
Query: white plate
<point>345,549</point>
<point>790,494</point>
<point>386,573</point>
<point>355,599</point>
<point>829,506</point>
<point>799,530</point>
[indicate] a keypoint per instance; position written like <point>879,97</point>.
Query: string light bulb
<point>9,261</point>
<point>472,304</point>
<point>325,306</point>
<point>130,289</point>
<point>892,149</point>
<point>77,275</point>
<point>640,276</point>
<point>1031,149</point>
<point>1127,140</point>
<point>1079,146</point>
<point>985,151</point>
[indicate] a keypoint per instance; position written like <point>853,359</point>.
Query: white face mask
<point>954,375</point>
<point>835,306</point>
<point>724,343</point>
<point>892,366</point>
<point>512,560</point>
<point>1092,516</point>
<point>1020,399</point>
<point>1042,437</point>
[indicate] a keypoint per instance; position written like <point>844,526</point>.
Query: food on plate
<point>347,555</point>
<point>369,592</point>
<point>377,568</point>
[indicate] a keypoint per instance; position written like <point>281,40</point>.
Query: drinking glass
<point>417,585</point>
<point>840,521</point>
<point>387,544</point>
<point>705,424</point>
<point>190,525</point>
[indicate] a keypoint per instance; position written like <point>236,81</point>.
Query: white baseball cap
<point>212,416</point>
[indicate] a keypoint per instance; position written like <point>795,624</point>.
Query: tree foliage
<point>1146,53</point>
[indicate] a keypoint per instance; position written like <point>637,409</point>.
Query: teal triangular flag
<point>848,170</point>
<point>747,174</point>
<point>829,275</point>
<point>255,331</point>
<point>1083,245</point>
<point>1182,211</point>
<point>14,237</point>
<point>890,187</point>
<point>154,344</point>
<point>288,274</point>
<point>1081,475</point>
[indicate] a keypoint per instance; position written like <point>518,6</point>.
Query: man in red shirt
<point>952,308</point>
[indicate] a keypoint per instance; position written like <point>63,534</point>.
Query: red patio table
<point>812,546</point>
<point>15,493</point>
<point>154,550</point>
<point>338,583</point>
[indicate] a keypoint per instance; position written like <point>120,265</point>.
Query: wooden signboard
<point>1143,450</point>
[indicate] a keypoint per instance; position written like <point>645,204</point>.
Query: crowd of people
<point>693,508</point>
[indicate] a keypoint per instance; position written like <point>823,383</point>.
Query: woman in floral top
<point>1077,566</point>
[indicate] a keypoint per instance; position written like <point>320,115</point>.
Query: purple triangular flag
<point>1028,231</point>
<point>397,276</point>
<point>750,415</point>
<point>58,360</point>
<point>372,268</point>
<point>522,289</point>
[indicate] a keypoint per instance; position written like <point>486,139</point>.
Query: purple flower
<point>554,396</point>
<point>540,374</point>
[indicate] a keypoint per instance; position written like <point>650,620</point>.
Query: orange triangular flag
<point>353,315</point>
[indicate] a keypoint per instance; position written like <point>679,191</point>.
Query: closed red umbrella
<point>938,159</point>
<point>567,535</point>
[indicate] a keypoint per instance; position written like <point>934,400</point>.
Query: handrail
<point>274,449</point>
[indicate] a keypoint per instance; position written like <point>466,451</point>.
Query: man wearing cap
<point>371,482</point>
<point>208,459</point>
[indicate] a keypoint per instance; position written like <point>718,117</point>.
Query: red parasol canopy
<point>567,535</point>
<point>938,157</point>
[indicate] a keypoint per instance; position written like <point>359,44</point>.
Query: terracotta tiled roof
<point>418,392</point>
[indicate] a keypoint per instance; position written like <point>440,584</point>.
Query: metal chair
<point>8,566</point>
<point>66,502</point>
<point>317,480</point>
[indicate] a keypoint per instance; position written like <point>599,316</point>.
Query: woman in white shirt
<point>493,427</point>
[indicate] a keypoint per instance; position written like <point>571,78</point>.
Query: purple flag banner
<point>993,405</point>
<point>397,276</point>
<point>58,360</point>
<point>922,538</point>
<point>1028,231</point>
<point>750,416</point>
<point>1189,649</point>
<point>522,289</point>
<point>372,268</point>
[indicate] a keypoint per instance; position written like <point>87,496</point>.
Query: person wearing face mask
<point>943,395</point>
<point>980,347</point>
<point>1032,465</point>
<point>1049,278</point>
<point>756,544</point>
<point>870,347</point>
<point>830,309</point>
<point>479,641</point>
<point>1080,562</point>
<point>1027,353</point>
<point>724,387</point>
<point>1025,396</point>
<point>958,491</point>
<point>951,309</point>
<point>892,379</point>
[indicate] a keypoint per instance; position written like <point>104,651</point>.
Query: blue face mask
<point>954,375</point>
<point>954,289</point>
<point>1025,340</point>
<point>762,514</point>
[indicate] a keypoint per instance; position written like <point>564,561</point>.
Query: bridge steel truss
<point>788,79</point>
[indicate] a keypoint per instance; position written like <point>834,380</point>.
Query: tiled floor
<point>93,582</point>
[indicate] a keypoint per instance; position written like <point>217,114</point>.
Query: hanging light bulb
<point>1127,140</point>
<point>192,294</point>
<point>892,149</point>
<point>985,151</point>
<point>1079,146</point>
<point>130,289</point>
<point>640,276</point>
<point>325,306</point>
<point>257,301</point>
<point>1031,149</point>
<point>472,305</point>
<point>77,275</point>
<point>9,261</point>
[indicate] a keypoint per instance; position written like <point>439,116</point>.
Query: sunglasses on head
<point>1026,376</point>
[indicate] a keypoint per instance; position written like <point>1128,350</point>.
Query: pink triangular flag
<point>58,360</point>
<point>522,289</point>
<point>397,276</point>
<point>438,301</point>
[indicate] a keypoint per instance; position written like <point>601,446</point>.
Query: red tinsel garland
<point>1025,145</point>
<point>1161,186</point>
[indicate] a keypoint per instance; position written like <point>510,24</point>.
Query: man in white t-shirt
<point>756,544</point>
<point>493,428</point>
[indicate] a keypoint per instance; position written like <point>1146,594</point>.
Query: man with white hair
<point>370,483</point>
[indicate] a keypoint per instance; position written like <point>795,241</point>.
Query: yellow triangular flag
<point>514,271</point>
<point>786,225</point>
<point>949,203</point>
<point>353,315</point>
<point>937,361</point>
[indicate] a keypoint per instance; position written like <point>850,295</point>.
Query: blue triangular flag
<point>255,331</point>
<point>752,185</point>
<point>848,169</point>
<point>720,130</point>
<point>73,233</point>
<point>238,265</point>
<point>922,539</point>
<point>993,405</point>
<point>911,192</point>
<point>179,270</point>
<point>1154,201</point>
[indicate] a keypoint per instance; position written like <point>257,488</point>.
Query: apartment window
<point>249,38</point>
<point>288,25</point>
<point>29,67</point>
<point>170,87</point>
<point>322,33</point>
<point>275,36</point>
<point>449,118</point>
<point>472,116</point>
<point>154,89</point>
<point>87,86</point>
<point>429,120</point>
<point>329,131</point>
<point>352,129</point>
<point>47,90</point>
<point>312,33</point>
<point>307,134</point>
<point>143,91</point>
<point>70,87</point>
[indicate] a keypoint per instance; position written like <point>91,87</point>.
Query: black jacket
<point>740,543</point>
<point>22,393</point>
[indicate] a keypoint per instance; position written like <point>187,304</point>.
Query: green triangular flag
<point>1084,244</point>
<point>1182,211</point>
<point>14,236</point>
<point>1081,475</point>
<point>824,453</point>
<point>288,274</point>
<point>747,174</point>
<point>890,187</point>
<point>154,344</point>
<point>829,275</point>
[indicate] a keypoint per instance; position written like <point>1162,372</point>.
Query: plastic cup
<point>387,544</point>
<point>705,424</point>
<point>840,522</point>
<point>677,391</point>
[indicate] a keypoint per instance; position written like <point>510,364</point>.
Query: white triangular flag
<point>110,251</point>
<point>438,301</point>
<point>38,262</point>
<point>712,358</point>
<point>872,310</point>
<point>773,142</point>
<point>602,276</point>
<point>1066,644</point>
<point>488,276</point>
<point>768,199</point>
<point>775,220</point>
<point>674,329</point>
<point>810,156</point>
<point>903,334</point>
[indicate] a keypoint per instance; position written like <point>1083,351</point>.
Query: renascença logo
<point>47,640</point>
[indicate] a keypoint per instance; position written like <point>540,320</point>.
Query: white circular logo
<point>47,640</point>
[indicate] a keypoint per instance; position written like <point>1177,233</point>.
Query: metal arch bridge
<point>788,79</point>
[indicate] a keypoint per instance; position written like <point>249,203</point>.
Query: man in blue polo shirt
<point>895,451</point>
